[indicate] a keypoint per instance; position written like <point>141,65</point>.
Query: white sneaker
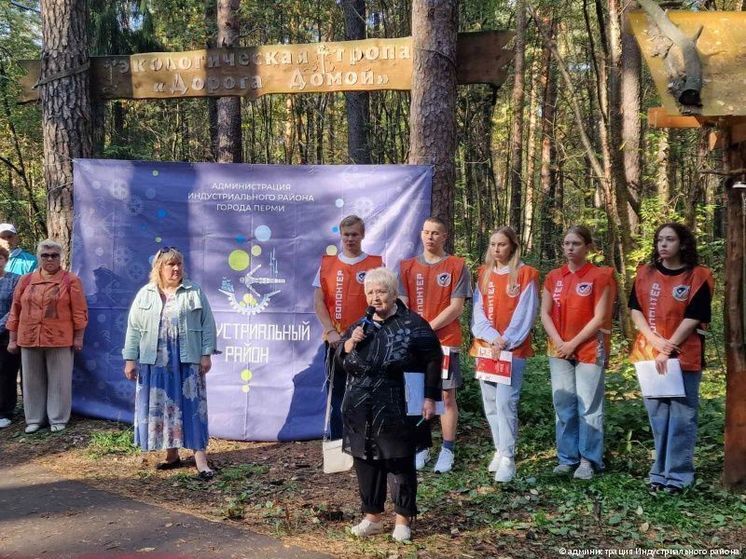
<point>506,471</point>
<point>561,469</point>
<point>57,427</point>
<point>31,428</point>
<point>445,461</point>
<point>401,533</point>
<point>584,471</point>
<point>4,422</point>
<point>494,463</point>
<point>366,528</point>
<point>421,458</point>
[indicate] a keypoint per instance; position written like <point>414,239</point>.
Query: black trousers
<point>9,364</point>
<point>371,479</point>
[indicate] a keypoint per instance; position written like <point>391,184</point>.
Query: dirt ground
<point>277,489</point>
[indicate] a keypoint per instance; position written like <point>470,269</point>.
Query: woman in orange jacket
<point>47,321</point>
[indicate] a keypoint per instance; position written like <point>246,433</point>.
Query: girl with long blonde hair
<point>505,306</point>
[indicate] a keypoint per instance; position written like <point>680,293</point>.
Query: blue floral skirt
<point>171,407</point>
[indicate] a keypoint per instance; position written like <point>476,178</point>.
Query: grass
<point>464,513</point>
<point>613,508</point>
<point>117,441</point>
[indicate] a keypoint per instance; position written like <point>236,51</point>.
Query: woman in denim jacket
<point>170,338</point>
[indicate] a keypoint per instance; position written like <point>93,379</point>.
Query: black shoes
<point>655,487</point>
<point>205,475</point>
<point>668,489</point>
<point>174,464</point>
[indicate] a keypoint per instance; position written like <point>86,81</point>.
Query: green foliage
<point>559,510</point>
<point>117,441</point>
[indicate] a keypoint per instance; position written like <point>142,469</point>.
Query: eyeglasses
<point>49,255</point>
<point>164,250</point>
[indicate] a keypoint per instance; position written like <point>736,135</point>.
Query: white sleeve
<point>480,324</point>
<point>523,317</point>
<point>317,278</point>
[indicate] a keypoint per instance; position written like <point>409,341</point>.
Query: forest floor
<point>278,489</point>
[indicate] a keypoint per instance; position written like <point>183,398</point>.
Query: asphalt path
<point>43,515</point>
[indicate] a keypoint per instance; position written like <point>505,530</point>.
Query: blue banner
<point>252,237</point>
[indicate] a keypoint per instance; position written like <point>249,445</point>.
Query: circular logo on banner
<point>584,289</point>
<point>444,279</point>
<point>513,290</point>
<point>681,292</point>
<point>360,276</point>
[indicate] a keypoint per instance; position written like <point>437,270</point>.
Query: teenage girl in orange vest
<point>670,300</point>
<point>505,305</point>
<point>574,310</point>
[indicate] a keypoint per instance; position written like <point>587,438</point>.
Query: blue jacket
<point>20,262</point>
<point>196,325</point>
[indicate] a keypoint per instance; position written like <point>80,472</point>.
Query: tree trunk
<point>66,109</point>
<point>432,113</point>
<point>734,467</point>
<point>631,121</point>
<point>358,103</point>
<point>663,178</point>
<point>211,31</point>
<point>620,209</point>
<point>516,143</point>
<point>550,224</point>
<point>529,204</point>
<point>98,127</point>
<point>229,142</point>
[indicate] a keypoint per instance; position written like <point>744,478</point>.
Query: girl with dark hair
<point>575,311</point>
<point>670,300</point>
<point>505,306</point>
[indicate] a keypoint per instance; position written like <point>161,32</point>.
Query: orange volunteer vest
<point>499,302</point>
<point>574,297</point>
<point>342,286</point>
<point>663,300</point>
<point>429,288</point>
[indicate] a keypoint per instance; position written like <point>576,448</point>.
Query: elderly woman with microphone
<point>377,432</point>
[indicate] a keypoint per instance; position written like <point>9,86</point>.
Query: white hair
<point>48,244</point>
<point>384,277</point>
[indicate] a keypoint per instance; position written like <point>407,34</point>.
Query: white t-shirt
<point>345,260</point>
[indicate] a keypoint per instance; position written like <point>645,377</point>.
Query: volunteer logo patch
<point>584,289</point>
<point>513,290</point>
<point>360,277</point>
<point>681,292</point>
<point>444,279</point>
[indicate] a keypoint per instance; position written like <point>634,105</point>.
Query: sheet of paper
<point>414,393</point>
<point>654,385</point>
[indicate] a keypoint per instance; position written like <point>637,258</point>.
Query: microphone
<point>368,319</point>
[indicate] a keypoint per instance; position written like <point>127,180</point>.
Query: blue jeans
<point>578,396</point>
<point>674,425</point>
<point>501,408</point>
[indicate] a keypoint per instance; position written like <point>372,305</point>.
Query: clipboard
<point>414,394</point>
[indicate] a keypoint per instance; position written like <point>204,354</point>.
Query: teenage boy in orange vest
<point>339,301</point>
<point>436,285</point>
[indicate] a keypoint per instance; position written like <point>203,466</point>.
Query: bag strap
<point>24,282</point>
<point>329,366</point>
<point>66,281</point>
